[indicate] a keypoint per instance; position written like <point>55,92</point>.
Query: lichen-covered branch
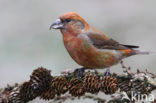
<point>67,86</point>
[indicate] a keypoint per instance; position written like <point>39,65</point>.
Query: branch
<point>67,86</point>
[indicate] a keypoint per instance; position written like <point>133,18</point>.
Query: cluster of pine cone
<point>29,90</point>
<point>137,86</point>
<point>45,86</point>
<point>90,83</point>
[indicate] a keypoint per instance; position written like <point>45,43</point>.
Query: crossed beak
<point>57,25</point>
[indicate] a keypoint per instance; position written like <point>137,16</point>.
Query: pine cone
<point>124,84</point>
<point>108,85</point>
<point>48,94</point>
<point>40,79</point>
<point>91,83</point>
<point>76,87</point>
<point>137,86</point>
<point>59,85</point>
<point>22,94</point>
<point>27,93</point>
<point>14,96</point>
<point>5,93</point>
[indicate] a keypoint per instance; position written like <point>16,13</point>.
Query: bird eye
<point>67,20</point>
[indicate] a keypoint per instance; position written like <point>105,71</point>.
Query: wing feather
<point>100,41</point>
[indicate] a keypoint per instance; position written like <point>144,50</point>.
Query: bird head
<point>70,22</point>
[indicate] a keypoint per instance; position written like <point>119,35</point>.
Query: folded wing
<point>100,41</point>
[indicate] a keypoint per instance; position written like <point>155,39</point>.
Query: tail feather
<point>142,52</point>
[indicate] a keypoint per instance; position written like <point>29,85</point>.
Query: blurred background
<point>27,43</point>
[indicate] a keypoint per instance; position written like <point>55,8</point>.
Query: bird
<point>90,47</point>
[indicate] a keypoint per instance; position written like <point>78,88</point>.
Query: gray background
<point>26,41</point>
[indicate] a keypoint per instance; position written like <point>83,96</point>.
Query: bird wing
<point>100,41</point>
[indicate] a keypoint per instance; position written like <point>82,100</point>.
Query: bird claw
<point>79,72</point>
<point>107,73</point>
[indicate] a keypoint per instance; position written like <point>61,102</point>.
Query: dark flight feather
<point>101,43</point>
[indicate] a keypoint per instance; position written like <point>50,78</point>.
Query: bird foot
<point>79,72</point>
<point>107,72</point>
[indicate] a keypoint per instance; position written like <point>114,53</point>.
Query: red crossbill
<point>89,47</point>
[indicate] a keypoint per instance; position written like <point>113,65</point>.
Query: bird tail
<point>143,52</point>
